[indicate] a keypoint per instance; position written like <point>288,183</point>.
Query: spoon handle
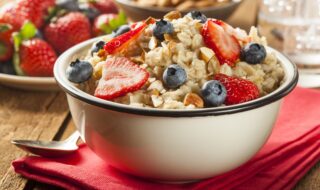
<point>73,139</point>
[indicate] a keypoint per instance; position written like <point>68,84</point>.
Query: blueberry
<point>162,27</point>
<point>253,53</point>
<point>174,76</point>
<point>213,93</point>
<point>79,71</point>
<point>97,46</point>
<point>7,68</point>
<point>70,5</point>
<point>197,15</point>
<point>121,30</point>
<point>89,11</point>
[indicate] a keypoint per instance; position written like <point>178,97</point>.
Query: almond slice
<point>194,99</point>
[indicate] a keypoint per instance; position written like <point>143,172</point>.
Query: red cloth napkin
<point>292,149</point>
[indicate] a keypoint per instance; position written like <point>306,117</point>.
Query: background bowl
<point>172,145</point>
<point>137,12</point>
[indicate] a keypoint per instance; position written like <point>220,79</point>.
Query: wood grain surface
<point>45,116</point>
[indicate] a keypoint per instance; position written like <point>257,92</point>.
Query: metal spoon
<point>49,148</point>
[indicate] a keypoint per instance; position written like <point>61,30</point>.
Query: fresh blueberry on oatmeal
<point>174,76</point>
<point>97,47</point>
<point>214,93</point>
<point>198,16</point>
<point>79,71</point>
<point>161,28</point>
<point>121,30</point>
<point>182,62</point>
<point>253,53</point>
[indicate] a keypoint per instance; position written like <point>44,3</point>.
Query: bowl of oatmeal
<point>141,9</point>
<point>179,99</point>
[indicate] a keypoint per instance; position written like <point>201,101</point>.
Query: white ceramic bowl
<point>173,145</point>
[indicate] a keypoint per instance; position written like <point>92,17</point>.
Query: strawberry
<point>37,58</point>
<point>21,11</point>
<point>100,24</point>
<point>119,77</point>
<point>6,46</point>
<point>225,46</point>
<point>238,33</point>
<point>68,31</point>
<point>117,44</point>
<point>238,90</point>
<point>104,6</point>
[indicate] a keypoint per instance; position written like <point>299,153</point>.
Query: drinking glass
<point>293,27</point>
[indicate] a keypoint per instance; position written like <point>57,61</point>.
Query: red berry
<point>6,46</point>
<point>238,90</point>
<point>121,42</point>
<point>225,46</point>
<point>104,6</point>
<point>37,58</point>
<point>119,77</point>
<point>100,22</point>
<point>68,31</point>
<point>22,10</point>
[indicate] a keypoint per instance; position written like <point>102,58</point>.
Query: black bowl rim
<point>70,89</point>
<point>168,9</point>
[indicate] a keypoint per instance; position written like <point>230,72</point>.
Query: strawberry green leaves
<point>114,23</point>
<point>27,32</point>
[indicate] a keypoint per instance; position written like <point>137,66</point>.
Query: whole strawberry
<point>32,56</point>
<point>68,31</point>
<point>100,24</point>
<point>37,58</point>
<point>6,46</point>
<point>238,90</point>
<point>104,6</point>
<point>16,13</point>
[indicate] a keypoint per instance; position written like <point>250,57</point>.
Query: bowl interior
<point>80,50</point>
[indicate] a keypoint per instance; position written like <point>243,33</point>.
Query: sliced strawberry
<point>238,90</point>
<point>121,42</point>
<point>119,77</point>
<point>225,46</point>
<point>238,33</point>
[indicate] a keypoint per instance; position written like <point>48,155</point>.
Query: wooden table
<point>45,116</point>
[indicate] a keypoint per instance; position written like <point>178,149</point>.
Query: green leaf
<point>114,23</point>
<point>28,30</point>
<point>5,27</point>
<point>17,40</point>
<point>16,64</point>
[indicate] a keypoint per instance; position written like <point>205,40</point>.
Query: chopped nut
<point>194,99</point>
<point>214,65</point>
<point>172,15</point>
<point>168,37</point>
<point>156,100</point>
<point>206,54</point>
<point>156,85</point>
<point>154,92</point>
<point>153,43</point>
<point>137,59</point>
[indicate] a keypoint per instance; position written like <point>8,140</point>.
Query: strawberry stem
<point>3,49</point>
<point>5,27</point>
<point>114,23</point>
<point>16,64</point>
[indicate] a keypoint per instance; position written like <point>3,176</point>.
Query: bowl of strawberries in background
<point>33,33</point>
